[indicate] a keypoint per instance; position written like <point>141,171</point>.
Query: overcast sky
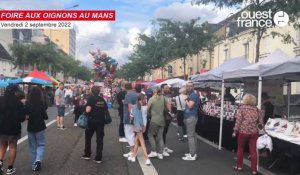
<point>132,17</point>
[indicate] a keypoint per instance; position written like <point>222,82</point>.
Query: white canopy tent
<point>174,82</point>
<point>251,71</point>
<point>288,70</point>
<point>254,70</point>
<point>217,73</point>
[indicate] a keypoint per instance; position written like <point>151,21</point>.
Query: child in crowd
<point>79,108</point>
<point>139,128</point>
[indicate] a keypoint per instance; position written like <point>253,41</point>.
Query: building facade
<point>63,38</point>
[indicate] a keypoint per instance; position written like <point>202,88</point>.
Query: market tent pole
<point>221,117</point>
<point>288,99</point>
<point>259,92</point>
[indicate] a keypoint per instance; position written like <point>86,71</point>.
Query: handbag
<point>116,104</point>
<point>108,118</point>
<point>167,115</point>
<point>82,121</point>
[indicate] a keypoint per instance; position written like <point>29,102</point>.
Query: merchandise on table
<point>213,108</point>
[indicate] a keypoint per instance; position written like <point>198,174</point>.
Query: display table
<point>209,128</point>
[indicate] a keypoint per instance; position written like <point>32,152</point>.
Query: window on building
<point>246,50</point>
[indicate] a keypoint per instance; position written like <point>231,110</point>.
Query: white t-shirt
<point>181,105</point>
<point>144,115</point>
<point>69,92</point>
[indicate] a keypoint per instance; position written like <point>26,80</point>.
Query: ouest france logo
<point>262,19</point>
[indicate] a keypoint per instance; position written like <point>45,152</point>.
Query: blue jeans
<point>36,143</point>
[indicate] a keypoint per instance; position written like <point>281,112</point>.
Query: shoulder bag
<point>167,115</point>
<point>108,118</point>
<point>82,121</point>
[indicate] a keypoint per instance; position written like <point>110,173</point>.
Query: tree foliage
<point>173,39</point>
<point>44,56</point>
<point>291,7</point>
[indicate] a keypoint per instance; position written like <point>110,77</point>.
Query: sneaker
<point>11,171</point>
<point>132,159</point>
<point>165,154</point>
<point>185,136</point>
<point>181,139</point>
<point>166,149</point>
<point>86,157</point>
<point>189,157</point>
<point>123,140</point>
<point>58,127</point>
<point>97,160</point>
<point>152,154</point>
<point>75,124</point>
<point>63,128</point>
<point>160,156</point>
<point>148,162</point>
<point>187,154</point>
<point>127,155</point>
<point>37,166</point>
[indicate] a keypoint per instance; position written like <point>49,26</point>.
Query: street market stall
<point>209,124</point>
<point>251,76</point>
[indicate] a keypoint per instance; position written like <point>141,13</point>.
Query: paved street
<point>64,149</point>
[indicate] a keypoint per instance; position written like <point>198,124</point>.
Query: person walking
<point>248,119</point>
<point>190,121</point>
<point>96,110</point>
<point>139,128</point>
<point>168,99</point>
<point>181,105</point>
<point>60,103</point>
<point>35,109</point>
<point>156,106</point>
<point>12,114</point>
<point>120,99</point>
<point>78,108</point>
<point>129,101</point>
<point>68,96</point>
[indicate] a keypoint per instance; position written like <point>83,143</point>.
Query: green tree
<point>42,55</point>
<point>291,7</point>
<point>187,38</point>
<point>19,54</point>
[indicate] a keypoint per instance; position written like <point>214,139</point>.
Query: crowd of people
<point>186,104</point>
<point>147,115</point>
<point>16,106</point>
<point>143,116</point>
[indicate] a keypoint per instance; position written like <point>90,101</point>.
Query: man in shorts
<point>60,103</point>
<point>130,99</point>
